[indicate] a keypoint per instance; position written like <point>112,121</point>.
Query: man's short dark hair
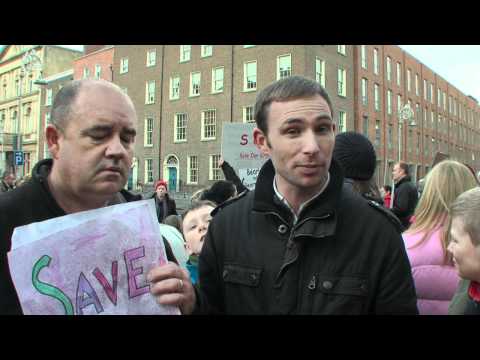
<point>404,166</point>
<point>62,104</point>
<point>290,88</point>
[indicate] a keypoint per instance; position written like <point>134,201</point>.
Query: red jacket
<point>386,200</point>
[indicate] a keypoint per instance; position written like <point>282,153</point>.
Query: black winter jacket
<point>405,200</point>
<point>32,202</point>
<point>343,256</point>
<point>164,208</point>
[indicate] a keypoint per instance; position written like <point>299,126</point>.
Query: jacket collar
<point>265,199</point>
<point>403,180</point>
<point>40,174</point>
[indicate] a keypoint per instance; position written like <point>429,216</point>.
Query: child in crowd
<point>387,195</point>
<point>427,238</point>
<point>194,226</point>
<point>464,246</point>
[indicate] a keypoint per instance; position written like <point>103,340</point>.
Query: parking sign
<point>18,157</point>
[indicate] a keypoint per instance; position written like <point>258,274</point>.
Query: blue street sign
<point>18,157</point>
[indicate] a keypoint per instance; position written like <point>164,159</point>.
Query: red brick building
<point>445,120</point>
<point>97,63</point>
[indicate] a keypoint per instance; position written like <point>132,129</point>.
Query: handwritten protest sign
<point>240,151</point>
<point>93,262</point>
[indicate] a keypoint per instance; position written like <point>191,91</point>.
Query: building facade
<point>20,105</point>
<point>184,93</point>
<point>96,64</point>
<point>444,119</point>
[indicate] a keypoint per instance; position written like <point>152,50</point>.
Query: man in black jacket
<point>301,242</point>
<point>91,140</point>
<point>8,181</point>
<point>405,196</point>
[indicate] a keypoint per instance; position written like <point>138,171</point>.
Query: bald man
<point>91,139</point>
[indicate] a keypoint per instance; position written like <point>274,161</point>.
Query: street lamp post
<point>30,62</point>
<point>405,115</point>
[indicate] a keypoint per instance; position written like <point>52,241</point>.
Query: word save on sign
<point>88,263</point>
<point>86,294</point>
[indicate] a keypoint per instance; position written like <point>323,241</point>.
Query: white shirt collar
<point>303,205</point>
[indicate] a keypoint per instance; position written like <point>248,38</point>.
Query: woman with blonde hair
<point>426,240</point>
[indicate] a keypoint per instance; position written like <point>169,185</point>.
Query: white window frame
<point>148,131</point>
<point>417,88</point>
<point>151,57</point>
<point>399,103</point>
<point>320,71</point>
<point>48,97</point>
<point>342,82</point>
<point>363,56</point>
<point>149,97</point>
<point>399,74</point>
<point>206,50</point>
<point>203,128</point>
<point>425,89</point>
<point>409,80</point>
<point>86,73</point>
<point>184,50</point>
<point>342,49</point>
<point>147,162</point>
<point>192,74</point>
<point>48,116</point>
<point>342,121</point>
<point>98,71</point>
<point>389,68</point>
<point>364,88</point>
<point>246,76</point>
<point>190,169</point>
<point>176,127</point>
<point>174,95</point>
<point>289,70</point>
<point>375,61</point>
<point>215,80</point>
<point>247,112</point>
<point>377,96</point>
<point>389,102</point>
<point>431,93</point>
<point>124,65</point>
<point>213,168</point>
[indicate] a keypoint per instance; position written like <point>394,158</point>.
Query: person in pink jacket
<point>435,276</point>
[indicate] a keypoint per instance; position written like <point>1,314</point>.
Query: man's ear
<point>261,141</point>
<point>52,135</point>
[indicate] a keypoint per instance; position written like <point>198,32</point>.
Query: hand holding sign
<point>171,285</point>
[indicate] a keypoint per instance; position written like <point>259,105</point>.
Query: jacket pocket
<point>333,294</point>
<point>241,275</point>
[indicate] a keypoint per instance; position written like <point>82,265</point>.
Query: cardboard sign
<point>88,263</point>
<point>240,151</point>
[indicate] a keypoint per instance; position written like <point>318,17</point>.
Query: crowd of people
<point>317,235</point>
